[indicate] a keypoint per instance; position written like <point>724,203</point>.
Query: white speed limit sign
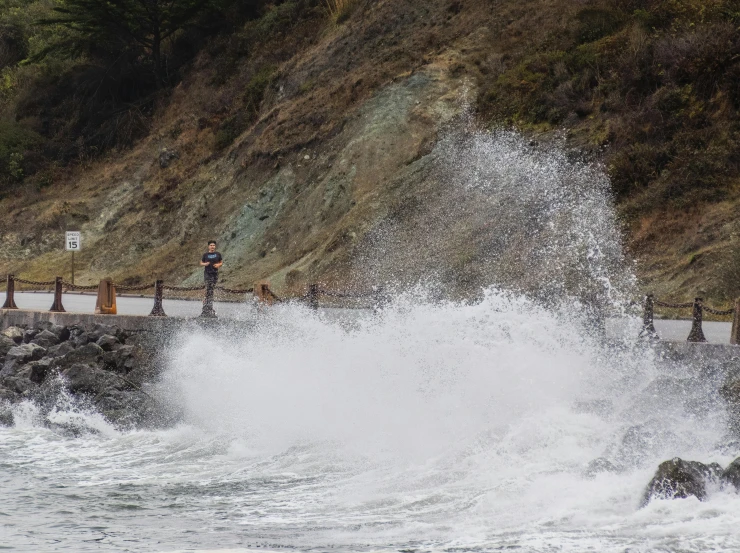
<point>73,242</point>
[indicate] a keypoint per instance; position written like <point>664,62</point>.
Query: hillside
<point>297,140</point>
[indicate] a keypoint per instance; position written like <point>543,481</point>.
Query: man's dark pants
<point>210,286</point>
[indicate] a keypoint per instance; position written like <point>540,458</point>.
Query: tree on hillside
<point>118,27</point>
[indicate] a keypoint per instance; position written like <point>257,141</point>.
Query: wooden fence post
<point>735,333</point>
<point>648,328</point>
<point>158,309</point>
<point>697,334</point>
<point>262,292</point>
<point>313,296</point>
<point>57,306</point>
<point>10,294</point>
<point>106,302</point>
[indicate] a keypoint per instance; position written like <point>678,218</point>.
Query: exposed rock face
<point>680,479</point>
<point>103,365</point>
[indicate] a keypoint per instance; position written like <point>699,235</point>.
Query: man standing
<point>212,262</point>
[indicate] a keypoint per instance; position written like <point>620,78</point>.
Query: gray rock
<point>680,479</point>
<point>18,384</point>
<point>88,379</point>
<point>107,342</point>
<point>122,359</point>
<point>20,355</point>
<point>6,415</point>
<point>14,333</point>
<point>29,335</point>
<point>5,345</point>
<point>39,369</point>
<point>731,475</point>
<point>87,354</point>
<point>60,350</point>
<point>7,396</point>
<point>45,339</point>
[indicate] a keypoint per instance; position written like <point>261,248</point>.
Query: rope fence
<point>107,290</point>
<point>697,317</point>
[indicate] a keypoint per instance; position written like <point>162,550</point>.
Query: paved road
<point>667,329</point>
<point>77,303</point>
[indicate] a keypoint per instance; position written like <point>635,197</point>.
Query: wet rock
<point>14,333</point>
<point>100,330</point>
<point>731,475</point>
<point>90,354</point>
<point>122,359</point>
<point>39,369</point>
<point>598,466</point>
<point>6,416</point>
<point>20,384</point>
<point>107,342</point>
<point>45,339</point>
<point>680,479</point>
<point>89,379</point>
<point>60,350</point>
<point>7,396</point>
<point>20,355</point>
<point>5,345</point>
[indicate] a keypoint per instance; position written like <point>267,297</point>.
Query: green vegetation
<point>657,81</point>
<point>79,77</point>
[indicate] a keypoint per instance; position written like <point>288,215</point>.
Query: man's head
<point>211,245</point>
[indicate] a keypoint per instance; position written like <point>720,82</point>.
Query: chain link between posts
<point>34,282</point>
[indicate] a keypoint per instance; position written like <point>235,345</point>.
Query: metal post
<point>313,296</point>
<point>735,333</point>
<point>648,328</point>
<point>697,334</point>
<point>158,309</point>
<point>57,306</point>
<point>73,266</point>
<point>10,294</point>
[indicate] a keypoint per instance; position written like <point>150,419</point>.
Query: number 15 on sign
<point>73,243</point>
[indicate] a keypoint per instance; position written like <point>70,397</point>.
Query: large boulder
<point>89,354</point>
<point>45,339</point>
<point>122,359</point>
<point>61,332</point>
<point>731,475</point>
<point>680,479</point>
<point>107,342</point>
<point>89,379</point>
<point>60,350</point>
<point>5,345</point>
<point>38,370</point>
<point>19,356</point>
<point>14,333</point>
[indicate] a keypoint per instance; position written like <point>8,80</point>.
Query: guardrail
<point>107,290</point>
<point>698,308</point>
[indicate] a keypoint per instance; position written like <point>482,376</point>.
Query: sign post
<point>73,243</point>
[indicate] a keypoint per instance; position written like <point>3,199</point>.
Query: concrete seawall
<point>24,318</point>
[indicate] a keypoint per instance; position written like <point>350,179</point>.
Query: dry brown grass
<point>339,10</point>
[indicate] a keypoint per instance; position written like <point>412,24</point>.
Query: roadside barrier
<point>697,316</point>
<point>107,291</point>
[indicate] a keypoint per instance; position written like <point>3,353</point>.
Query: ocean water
<point>427,425</point>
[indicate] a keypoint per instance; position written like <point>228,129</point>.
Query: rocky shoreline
<point>101,366</point>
